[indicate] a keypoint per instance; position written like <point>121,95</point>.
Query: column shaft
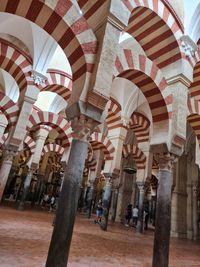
<point>114,204</point>
<point>27,183</point>
<point>67,206</point>
<point>5,170</point>
<point>90,200</point>
<point>106,204</point>
<point>140,223</point>
<point>163,220</point>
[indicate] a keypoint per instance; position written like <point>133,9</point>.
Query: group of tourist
<point>49,201</point>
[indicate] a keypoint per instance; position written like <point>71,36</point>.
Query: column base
<point>21,206</point>
<point>178,235</point>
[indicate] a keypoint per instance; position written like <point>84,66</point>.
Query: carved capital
<point>188,46</point>
<point>8,155</point>
<point>165,161</point>
<point>38,78</point>
<point>194,188</point>
<point>82,127</point>
<point>140,186</point>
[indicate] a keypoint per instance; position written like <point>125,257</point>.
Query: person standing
<point>99,212</point>
<point>128,214</point>
<point>135,216</point>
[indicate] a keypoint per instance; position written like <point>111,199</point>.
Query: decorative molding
<point>166,161</point>
<point>188,46</point>
<point>140,186</point>
<point>179,78</point>
<point>8,155</point>
<point>38,78</point>
<point>82,128</point>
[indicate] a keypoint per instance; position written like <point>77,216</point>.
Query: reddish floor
<point>25,236</point>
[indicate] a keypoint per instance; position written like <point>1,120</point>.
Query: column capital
<point>140,185</point>
<point>83,127</point>
<point>8,155</point>
<point>33,167</point>
<point>165,160</point>
<point>195,189</point>
<point>38,78</point>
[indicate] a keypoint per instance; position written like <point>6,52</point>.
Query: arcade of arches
<point>88,87</point>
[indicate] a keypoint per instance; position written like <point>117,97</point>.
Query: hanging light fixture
<point>130,165</point>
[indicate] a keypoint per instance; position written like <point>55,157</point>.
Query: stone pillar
<point>106,203</point>
<point>140,223</point>
<point>179,199</point>
<point>26,186</point>
<point>154,209</point>
<point>125,196</point>
<point>7,160</point>
<point>26,102</point>
<point>90,199</point>
<point>163,212</point>
<point>68,200</point>
<point>194,211</point>
<point>33,163</point>
<point>115,194</point>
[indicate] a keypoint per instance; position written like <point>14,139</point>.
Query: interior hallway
<point>25,236</point>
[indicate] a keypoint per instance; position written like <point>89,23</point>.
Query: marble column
<point>26,187</point>
<point>106,203</point>
<point>115,194</point>
<point>140,223</point>
<point>163,210</point>
<point>194,211</point>
<point>68,200</point>
<point>33,162</point>
<point>125,195</point>
<point>7,160</point>
<point>153,209</point>
<point>90,198</point>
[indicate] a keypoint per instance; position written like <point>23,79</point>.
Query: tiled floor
<point>25,236</point>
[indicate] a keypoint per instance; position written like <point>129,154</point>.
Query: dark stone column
<point>115,194</point>
<point>163,211</point>
<point>154,210</point>
<point>90,199</point>
<point>106,203</point>
<point>7,160</point>
<point>140,223</point>
<point>26,186</point>
<point>67,206</point>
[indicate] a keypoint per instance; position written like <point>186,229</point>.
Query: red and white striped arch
<point>53,148</point>
<point>58,82</point>
<point>141,126</point>
<point>3,138</point>
<point>9,108</point>
<point>16,64</point>
<point>55,162</point>
<point>194,88</point>
<point>138,155</point>
<point>194,116</point>
<point>30,143</point>
<point>194,120</point>
<point>153,24</point>
<point>149,79</point>
<point>50,119</point>
<point>91,160</point>
<point>113,118</point>
<point>193,106</point>
<point>63,21</point>
<point>23,156</point>
<point>91,8</point>
<point>101,142</point>
<point>91,164</point>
